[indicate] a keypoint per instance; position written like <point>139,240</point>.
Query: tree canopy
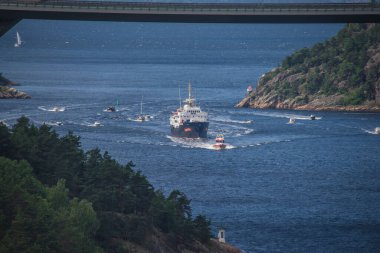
<point>346,64</point>
<point>54,197</point>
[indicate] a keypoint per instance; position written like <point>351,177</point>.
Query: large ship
<point>189,120</point>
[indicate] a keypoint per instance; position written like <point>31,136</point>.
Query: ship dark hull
<point>190,130</point>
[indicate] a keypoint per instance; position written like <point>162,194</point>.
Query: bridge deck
<point>189,12</point>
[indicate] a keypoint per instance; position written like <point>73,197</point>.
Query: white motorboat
<point>219,142</point>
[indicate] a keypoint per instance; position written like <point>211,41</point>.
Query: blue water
<point>309,187</point>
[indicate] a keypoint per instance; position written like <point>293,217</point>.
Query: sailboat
<point>18,40</point>
<point>142,117</point>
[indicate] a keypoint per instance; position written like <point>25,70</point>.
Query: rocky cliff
<point>9,92</point>
<point>158,245</point>
<point>342,73</point>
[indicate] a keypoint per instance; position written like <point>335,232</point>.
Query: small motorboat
<point>96,124</point>
<point>59,123</point>
<point>377,130</point>
<point>140,118</point>
<point>219,142</point>
<point>312,117</point>
<point>292,121</point>
<point>111,109</point>
<point>57,109</point>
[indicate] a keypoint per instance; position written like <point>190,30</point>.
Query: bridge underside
<point>186,17</point>
<point>11,12</point>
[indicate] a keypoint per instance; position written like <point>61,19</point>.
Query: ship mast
<point>190,100</point>
<point>141,105</point>
<point>179,96</point>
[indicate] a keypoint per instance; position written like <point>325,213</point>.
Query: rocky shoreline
<point>317,104</point>
<point>340,74</point>
<point>7,92</point>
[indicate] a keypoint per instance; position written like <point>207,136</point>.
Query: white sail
<point>18,40</point>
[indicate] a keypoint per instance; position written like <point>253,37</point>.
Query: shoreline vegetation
<point>55,197</point>
<point>7,92</point>
<point>340,74</point>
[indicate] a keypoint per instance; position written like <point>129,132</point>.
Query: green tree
<point>40,219</point>
<point>202,228</point>
<point>5,141</point>
<point>86,197</point>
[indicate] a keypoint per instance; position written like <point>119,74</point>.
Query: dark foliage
<point>337,66</point>
<point>104,204</point>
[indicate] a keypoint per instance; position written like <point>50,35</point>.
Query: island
<point>9,92</point>
<point>340,74</point>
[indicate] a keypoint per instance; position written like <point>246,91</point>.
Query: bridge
<point>13,11</point>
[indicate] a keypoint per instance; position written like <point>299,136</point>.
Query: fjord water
<point>310,186</point>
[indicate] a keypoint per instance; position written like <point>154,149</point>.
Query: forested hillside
<point>54,197</point>
<point>341,73</point>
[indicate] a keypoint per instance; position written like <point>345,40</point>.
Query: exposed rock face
<point>8,92</point>
<point>340,74</point>
<point>374,63</point>
<point>159,244</point>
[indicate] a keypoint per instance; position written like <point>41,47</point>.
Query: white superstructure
<point>189,113</point>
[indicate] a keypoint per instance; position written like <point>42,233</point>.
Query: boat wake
<point>369,131</point>
<point>52,109</point>
<point>265,143</point>
<point>208,144</point>
<point>95,124</point>
<point>284,115</point>
<point>53,123</point>
<point>85,123</point>
<point>229,120</point>
<point>230,130</point>
<point>197,143</point>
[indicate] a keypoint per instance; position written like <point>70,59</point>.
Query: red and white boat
<point>219,142</point>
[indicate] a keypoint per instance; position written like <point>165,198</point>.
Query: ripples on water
<point>279,187</point>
